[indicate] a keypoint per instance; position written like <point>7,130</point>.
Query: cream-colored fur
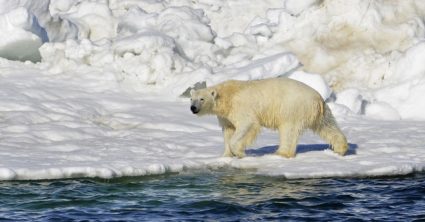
<point>286,105</point>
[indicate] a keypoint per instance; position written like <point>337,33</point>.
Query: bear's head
<point>202,101</point>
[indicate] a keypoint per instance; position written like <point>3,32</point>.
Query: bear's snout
<point>194,109</point>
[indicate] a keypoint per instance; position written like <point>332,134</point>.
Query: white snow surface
<point>71,125</point>
<point>92,88</point>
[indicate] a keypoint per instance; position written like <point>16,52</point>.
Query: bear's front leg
<point>227,133</point>
<point>244,135</point>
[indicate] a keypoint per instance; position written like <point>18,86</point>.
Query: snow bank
<point>357,44</point>
<point>374,47</point>
<point>406,86</point>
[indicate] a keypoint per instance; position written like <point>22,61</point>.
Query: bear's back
<point>269,87</point>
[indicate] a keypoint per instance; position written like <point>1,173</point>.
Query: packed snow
<point>96,88</point>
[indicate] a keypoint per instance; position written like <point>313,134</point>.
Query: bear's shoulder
<point>231,86</point>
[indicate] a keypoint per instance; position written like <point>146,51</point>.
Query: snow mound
<point>374,47</point>
<point>315,81</point>
<point>358,44</point>
<point>407,86</point>
<point>21,35</point>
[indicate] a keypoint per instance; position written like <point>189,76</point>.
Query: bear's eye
<point>202,99</point>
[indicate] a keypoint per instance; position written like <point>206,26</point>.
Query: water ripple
<point>218,195</point>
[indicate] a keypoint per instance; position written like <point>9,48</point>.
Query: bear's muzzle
<point>194,109</point>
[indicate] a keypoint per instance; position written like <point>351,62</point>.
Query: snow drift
<point>371,46</point>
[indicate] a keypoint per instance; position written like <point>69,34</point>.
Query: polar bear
<point>283,104</point>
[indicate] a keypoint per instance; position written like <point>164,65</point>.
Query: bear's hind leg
<point>288,136</point>
<point>330,132</point>
<point>333,135</point>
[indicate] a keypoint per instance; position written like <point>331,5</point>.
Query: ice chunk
<point>21,35</point>
<point>315,81</point>
<point>382,111</point>
<point>352,99</point>
<point>295,7</point>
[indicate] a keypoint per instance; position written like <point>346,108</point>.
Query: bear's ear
<point>214,93</point>
<point>191,92</point>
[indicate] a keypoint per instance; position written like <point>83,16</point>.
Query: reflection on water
<point>226,195</point>
<point>248,189</point>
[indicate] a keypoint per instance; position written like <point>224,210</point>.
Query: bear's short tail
<point>328,129</point>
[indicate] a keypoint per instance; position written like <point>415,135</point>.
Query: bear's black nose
<point>193,109</point>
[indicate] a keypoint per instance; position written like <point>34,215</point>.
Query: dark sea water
<point>225,195</point>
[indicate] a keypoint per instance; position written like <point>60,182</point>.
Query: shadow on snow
<point>301,148</point>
